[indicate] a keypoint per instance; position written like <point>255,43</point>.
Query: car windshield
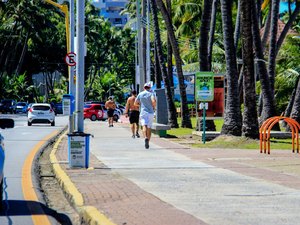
<point>21,104</point>
<point>87,106</point>
<point>41,107</point>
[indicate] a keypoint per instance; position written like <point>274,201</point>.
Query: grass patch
<point>222,141</point>
<point>177,132</point>
<point>243,143</point>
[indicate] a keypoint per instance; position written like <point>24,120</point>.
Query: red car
<point>93,112</point>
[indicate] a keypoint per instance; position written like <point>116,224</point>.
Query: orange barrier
<point>265,133</point>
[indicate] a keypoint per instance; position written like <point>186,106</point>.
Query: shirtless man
<point>133,112</point>
<point>110,105</point>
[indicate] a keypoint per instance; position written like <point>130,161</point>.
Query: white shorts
<point>146,119</point>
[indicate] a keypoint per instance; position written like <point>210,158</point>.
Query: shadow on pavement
<point>28,208</point>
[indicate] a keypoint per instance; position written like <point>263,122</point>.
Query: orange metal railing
<point>265,133</point>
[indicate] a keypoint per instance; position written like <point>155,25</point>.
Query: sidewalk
<point>171,184</point>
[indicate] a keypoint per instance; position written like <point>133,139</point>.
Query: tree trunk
<point>266,30</point>
<point>169,52</point>
<point>212,32</point>
<point>157,69</point>
<point>250,123</point>
<point>163,70</point>
<point>272,45</point>
<point>258,11</point>
<point>232,118</point>
<point>203,48</point>
<point>287,27</point>
<point>204,33</point>
<point>186,120</point>
<point>237,26</point>
<point>268,106</point>
<point>288,110</point>
<point>24,50</point>
<point>295,114</point>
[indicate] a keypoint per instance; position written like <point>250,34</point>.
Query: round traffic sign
<point>70,59</point>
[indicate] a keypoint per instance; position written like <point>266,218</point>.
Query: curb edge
<point>89,214</point>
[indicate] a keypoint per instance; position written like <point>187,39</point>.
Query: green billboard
<point>204,88</point>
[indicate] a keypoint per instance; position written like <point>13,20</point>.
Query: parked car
<point>41,113</point>
<point>121,108</point>
<point>93,112</point>
<point>21,107</point>
<point>29,106</point>
<point>8,106</point>
<point>4,123</point>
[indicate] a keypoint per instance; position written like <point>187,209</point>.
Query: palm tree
<point>212,32</point>
<point>287,26</point>
<point>250,123</point>
<point>273,40</point>
<point>186,120</point>
<point>232,118</point>
<point>204,33</point>
<point>171,105</point>
<point>169,52</point>
<point>268,105</point>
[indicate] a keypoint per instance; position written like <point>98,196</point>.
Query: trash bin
<point>78,149</point>
<point>68,103</point>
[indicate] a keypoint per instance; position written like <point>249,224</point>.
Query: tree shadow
<point>28,208</point>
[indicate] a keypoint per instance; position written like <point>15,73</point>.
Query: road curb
<point>89,214</point>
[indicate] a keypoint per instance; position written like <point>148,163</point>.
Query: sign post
<point>204,92</point>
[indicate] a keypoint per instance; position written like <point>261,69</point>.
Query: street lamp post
<point>70,47</point>
<point>80,65</point>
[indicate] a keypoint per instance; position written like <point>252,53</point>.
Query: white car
<point>41,113</point>
<point>117,114</point>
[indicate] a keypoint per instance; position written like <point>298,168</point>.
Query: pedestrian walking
<point>110,105</point>
<point>146,100</point>
<point>133,112</point>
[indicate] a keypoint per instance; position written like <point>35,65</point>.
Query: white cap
<point>148,84</point>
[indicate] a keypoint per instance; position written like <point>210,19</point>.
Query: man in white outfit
<point>147,102</point>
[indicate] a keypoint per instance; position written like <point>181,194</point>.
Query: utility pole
<point>140,54</point>
<point>80,65</point>
<point>148,69</point>
<point>71,69</point>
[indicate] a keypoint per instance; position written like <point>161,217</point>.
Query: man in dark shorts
<point>110,106</point>
<point>133,112</point>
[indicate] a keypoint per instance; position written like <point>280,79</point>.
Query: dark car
<point>21,107</point>
<point>8,106</point>
<point>58,108</point>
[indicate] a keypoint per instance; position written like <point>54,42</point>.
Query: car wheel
<point>53,124</point>
<point>93,117</point>
<point>116,118</point>
<point>1,195</point>
<point>29,124</point>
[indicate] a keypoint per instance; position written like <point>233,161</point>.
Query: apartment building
<point>110,10</point>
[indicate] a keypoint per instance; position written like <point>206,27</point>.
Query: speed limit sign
<point>70,59</point>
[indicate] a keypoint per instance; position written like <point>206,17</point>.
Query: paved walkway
<point>171,184</point>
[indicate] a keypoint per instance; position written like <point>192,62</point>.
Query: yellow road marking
<point>27,185</point>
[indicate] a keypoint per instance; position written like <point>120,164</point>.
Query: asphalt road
<point>20,143</point>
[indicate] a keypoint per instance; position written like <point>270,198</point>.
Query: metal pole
<point>80,65</point>
<point>71,70</point>
<point>204,125</point>
<point>148,41</point>
<point>140,54</point>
